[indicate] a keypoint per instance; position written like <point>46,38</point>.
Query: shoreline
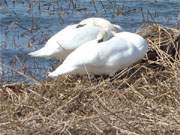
<point>141,99</point>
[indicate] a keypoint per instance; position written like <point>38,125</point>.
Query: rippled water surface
<point>27,24</point>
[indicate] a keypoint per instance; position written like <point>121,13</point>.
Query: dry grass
<point>142,99</point>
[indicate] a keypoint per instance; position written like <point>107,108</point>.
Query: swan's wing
<point>52,47</point>
<point>123,49</point>
<point>72,37</point>
<point>65,41</point>
<point>92,56</point>
<point>115,51</point>
<point>76,37</point>
<point>83,55</point>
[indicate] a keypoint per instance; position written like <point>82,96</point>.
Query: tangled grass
<point>142,99</point>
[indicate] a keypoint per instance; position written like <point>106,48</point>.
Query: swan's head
<point>104,36</point>
<point>100,22</point>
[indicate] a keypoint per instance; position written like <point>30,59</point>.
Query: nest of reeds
<point>141,99</point>
<point>161,40</point>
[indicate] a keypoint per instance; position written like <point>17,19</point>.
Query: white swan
<point>107,57</point>
<point>72,36</point>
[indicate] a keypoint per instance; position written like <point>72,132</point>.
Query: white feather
<point>107,57</point>
<point>72,36</point>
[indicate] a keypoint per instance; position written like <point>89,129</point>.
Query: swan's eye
<point>80,25</point>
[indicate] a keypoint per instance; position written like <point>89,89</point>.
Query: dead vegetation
<point>142,99</point>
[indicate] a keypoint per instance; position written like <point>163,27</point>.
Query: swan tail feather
<point>40,53</point>
<point>62,70</point>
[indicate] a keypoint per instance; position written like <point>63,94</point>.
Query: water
<point>27,24</point>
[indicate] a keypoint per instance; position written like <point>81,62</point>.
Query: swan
<point>72,36</point>
<point>106,57</point>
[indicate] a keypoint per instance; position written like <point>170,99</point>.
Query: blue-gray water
<point>27,24</point>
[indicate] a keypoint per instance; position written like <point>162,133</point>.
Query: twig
<point>38,94</point>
